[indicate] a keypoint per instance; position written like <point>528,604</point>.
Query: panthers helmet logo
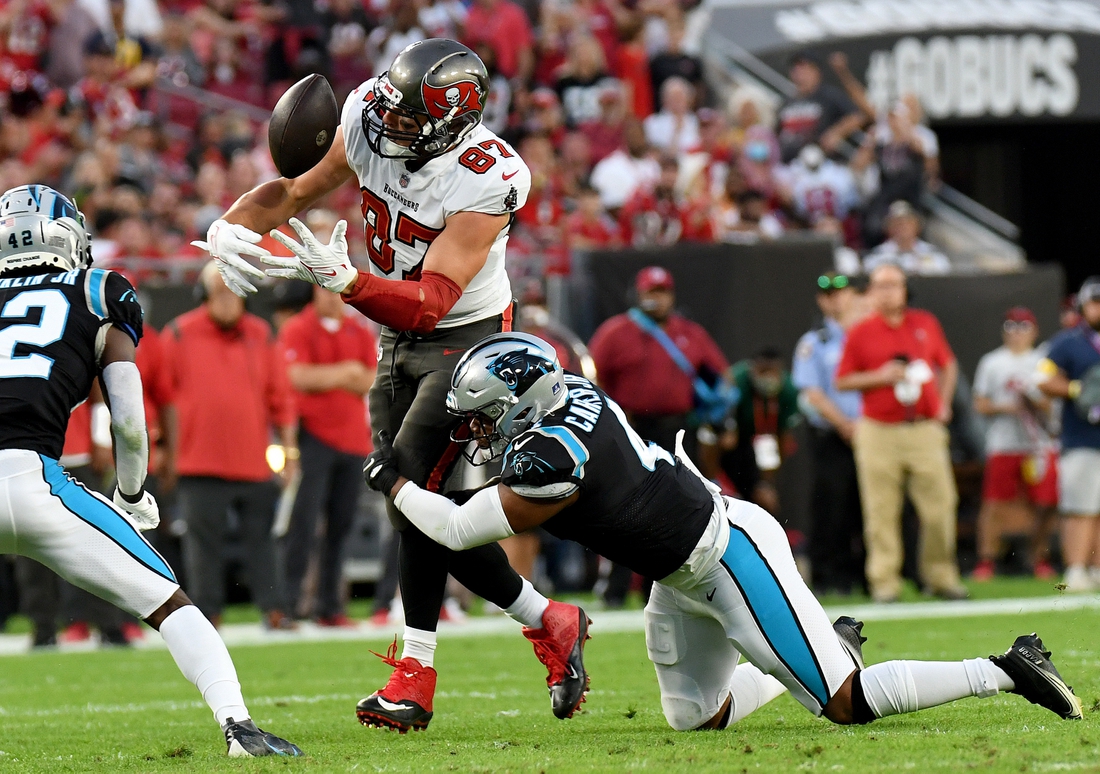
<point>520,369</point>
<point>461,97</point>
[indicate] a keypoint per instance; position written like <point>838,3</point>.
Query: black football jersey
<point>638,505</point>
<point>52,330</point>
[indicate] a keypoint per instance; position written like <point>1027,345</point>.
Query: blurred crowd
<point>151,116</point>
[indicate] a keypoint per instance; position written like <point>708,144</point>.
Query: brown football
<point>303,125</point>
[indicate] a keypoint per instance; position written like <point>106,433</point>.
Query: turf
<point>131,711</point>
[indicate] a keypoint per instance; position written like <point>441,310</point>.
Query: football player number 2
<point>376,213</point>
<point>50,326</point>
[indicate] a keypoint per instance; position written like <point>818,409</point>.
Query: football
<point>303,125</point>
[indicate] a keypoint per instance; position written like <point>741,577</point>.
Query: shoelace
<point>400,685</point>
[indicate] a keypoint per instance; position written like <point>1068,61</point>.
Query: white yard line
<point>602,621</point>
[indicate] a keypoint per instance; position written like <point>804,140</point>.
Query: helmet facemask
<point>434,137</point>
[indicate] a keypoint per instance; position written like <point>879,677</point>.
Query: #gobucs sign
<point>462,97</point>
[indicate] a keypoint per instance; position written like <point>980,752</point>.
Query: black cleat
<point>850,633</point>
<point>559,645</point>
<point>244,740</point>
<point>405,703</point>
<point>1036,677</point>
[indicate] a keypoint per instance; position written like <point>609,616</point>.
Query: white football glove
<point>145,512</point>
<point>324,265</point>
<point>227,243</point>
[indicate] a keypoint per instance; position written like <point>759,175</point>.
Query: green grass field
<point>132,711</point>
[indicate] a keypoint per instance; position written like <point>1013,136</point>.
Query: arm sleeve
<point>458,527</point>
<point>541,466</point>
<point>123,384</point>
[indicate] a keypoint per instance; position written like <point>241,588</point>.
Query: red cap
<point>1021,314</point>
<point>652,278</point>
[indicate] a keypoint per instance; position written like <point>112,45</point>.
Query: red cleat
<point>559,645</point>
<point>406,702</point>
<point>78,631</point>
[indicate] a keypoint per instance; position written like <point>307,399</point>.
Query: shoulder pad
<point>112,298</point>
<point>547,462</point>
<point>496,180</point>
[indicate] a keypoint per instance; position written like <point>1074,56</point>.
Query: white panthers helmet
<point>507,382</point>
<point>39,227</point>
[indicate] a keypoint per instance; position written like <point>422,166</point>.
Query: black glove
<point>380,470</point>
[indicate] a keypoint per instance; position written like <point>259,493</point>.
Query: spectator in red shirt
<point>660,216</point>
<point>503,25</point>
<point>901,362</point>
<point>331,361</point>
<point>231,391</point>
<point>589,227</point>
<point>639,374</point>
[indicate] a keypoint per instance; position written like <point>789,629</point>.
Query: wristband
<point>1073,389</point>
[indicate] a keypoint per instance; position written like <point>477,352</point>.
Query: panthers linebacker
<point>62,325</point>
<point>439,192</point>
<point>729,585</point>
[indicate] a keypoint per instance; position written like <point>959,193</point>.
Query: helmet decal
<point>519,369</point>
<point>461,97</point>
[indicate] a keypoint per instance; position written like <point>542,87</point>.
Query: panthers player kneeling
<point>728,584</point>
<point>62,324</point>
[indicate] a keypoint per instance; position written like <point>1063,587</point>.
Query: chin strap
<point>404,305</point>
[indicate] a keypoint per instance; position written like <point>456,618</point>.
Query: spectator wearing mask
<point>904,247</point>
<point>675,129</point>
<point>636,367</point>
<point>229,379</point>
<point>817,113</point>
<point>1021,482</point>
<point>331,361</point>
<point>628,169</point>
<point>901,362</point>
<point>766,413</point>
<point>836,533</point>
<point>1069,371</point>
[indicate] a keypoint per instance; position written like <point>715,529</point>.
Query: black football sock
<point>485,571</point>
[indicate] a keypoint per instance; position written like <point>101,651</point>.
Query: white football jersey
<point>404,211</point>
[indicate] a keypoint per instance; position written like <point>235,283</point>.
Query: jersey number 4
<point>48,330</point>
<point>376,213</point>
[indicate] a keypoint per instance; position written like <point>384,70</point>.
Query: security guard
<point>835,544</point>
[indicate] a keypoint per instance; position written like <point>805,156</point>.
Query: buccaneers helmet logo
<point>520,369</point>
<point>462,97</point>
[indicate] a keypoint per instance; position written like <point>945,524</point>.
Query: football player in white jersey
<point>439,194</point>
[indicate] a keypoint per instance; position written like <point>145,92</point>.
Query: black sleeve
<point>539,465</point>
<point>123,309</point>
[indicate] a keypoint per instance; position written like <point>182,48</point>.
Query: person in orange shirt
<point>331,362</point>
<point>231,393</point>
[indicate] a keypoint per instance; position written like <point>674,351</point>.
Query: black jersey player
<point>63,325</point>
<point>728,583</point>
